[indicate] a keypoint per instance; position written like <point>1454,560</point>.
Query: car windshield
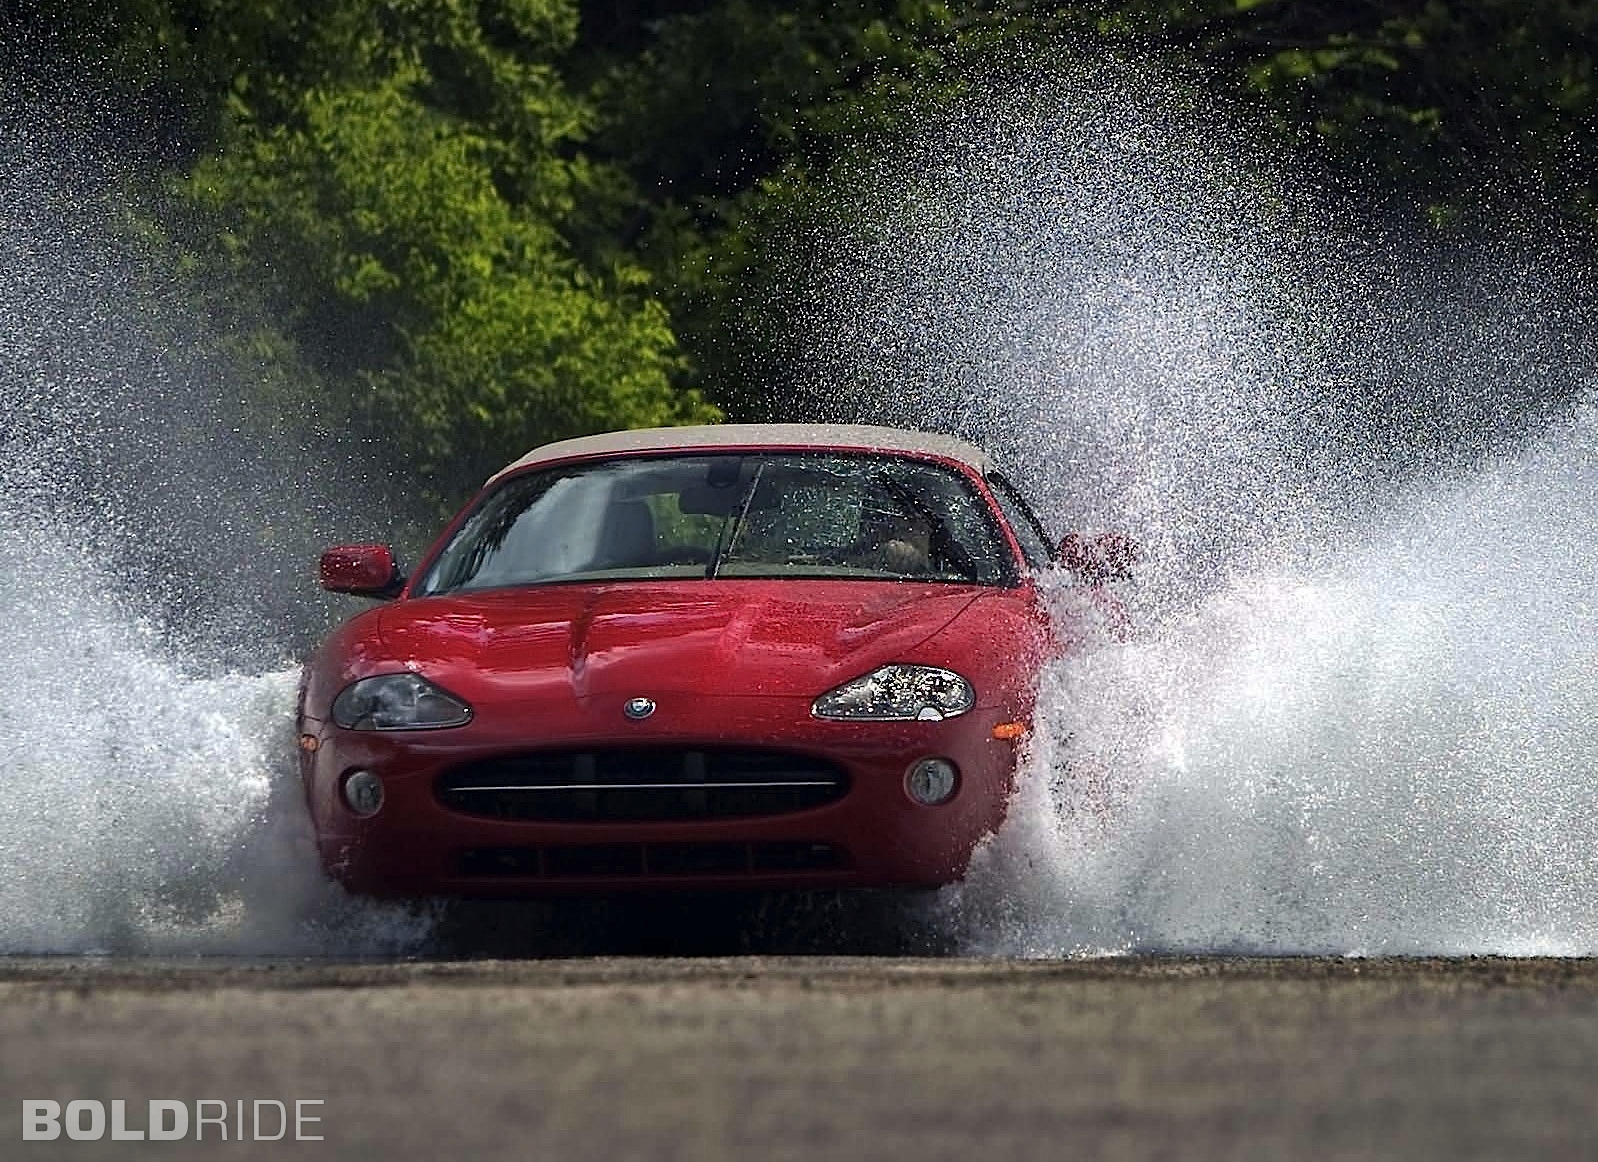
<point>799,515</point>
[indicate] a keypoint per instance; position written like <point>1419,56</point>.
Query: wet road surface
<point>819,1057</point>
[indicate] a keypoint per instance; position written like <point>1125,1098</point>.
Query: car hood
<point>726,637</point>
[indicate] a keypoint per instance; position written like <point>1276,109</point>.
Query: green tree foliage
<point>400,184</point>
<point>1463,111</point>
<point>728,114</point>
<point>475,224</point>
<point>404,271</point>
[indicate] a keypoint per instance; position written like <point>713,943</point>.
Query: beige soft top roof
<point>854,437</point>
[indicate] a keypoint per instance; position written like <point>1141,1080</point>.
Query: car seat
<point>627,538</point>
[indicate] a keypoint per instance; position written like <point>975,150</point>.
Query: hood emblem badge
<point>638,709</point>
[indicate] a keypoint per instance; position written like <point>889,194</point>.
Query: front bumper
<point>873,836</point>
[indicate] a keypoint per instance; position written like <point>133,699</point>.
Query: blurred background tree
<point>399,190</point>
<point>477,224</point>
<point>1446,117</point>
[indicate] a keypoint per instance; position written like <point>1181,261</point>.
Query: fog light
<point>363,791</point>
<point>930,781</point>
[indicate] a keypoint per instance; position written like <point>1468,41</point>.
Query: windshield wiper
<point>729,535</point>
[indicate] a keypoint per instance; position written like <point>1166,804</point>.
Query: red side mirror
<point>1095,560</point>
<point>364,570</point>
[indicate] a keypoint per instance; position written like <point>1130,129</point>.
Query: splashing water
<point>151,567</point>
<point>1359,714</point>
<point>150,810</point>
<point>130,784</point>
<point>1391,753</point>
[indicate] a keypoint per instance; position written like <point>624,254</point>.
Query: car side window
<point>1028,529</point>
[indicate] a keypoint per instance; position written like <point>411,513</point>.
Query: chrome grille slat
<point>642,783</point>
<point>654,860</point>
<point>650,786</point>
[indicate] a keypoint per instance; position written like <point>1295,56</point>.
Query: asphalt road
<point>818,1057</point>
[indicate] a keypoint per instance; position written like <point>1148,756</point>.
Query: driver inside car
<point>894,540</point>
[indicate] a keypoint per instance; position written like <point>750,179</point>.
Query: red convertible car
<point>755,656</point>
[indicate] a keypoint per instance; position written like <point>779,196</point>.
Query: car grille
<point>641,784</point>
<point>644,860</point>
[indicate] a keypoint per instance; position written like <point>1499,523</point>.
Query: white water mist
<point>1358,714</point>
<point>156,536</point>
<point>149,810</point>
<point>1389,751</point>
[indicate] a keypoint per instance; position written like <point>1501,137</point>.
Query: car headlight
<point>398,702</point>
<point>898,693</point>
